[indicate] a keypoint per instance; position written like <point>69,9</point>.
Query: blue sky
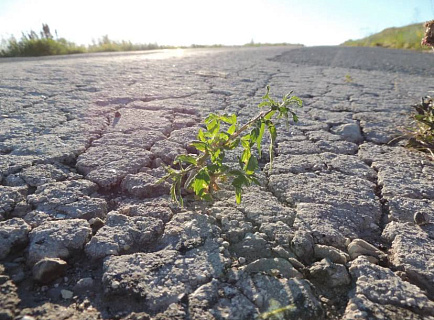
<point>231,22</point>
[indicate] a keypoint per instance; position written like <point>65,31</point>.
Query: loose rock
<point>328,274</point>
<point>47,270</point>
<point>359,247</point>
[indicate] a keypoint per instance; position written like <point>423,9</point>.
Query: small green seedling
<point>202,173</point>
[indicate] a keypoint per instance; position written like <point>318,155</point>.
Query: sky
<point>228,22</point>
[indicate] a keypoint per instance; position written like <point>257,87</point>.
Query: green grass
<point>407,37</point>
<point>43,44</point>
<point>106,45</point>
<point>40,47</point>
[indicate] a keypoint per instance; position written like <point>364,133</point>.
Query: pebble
<point>115,284</point>
<point>48,270</point>
<point>66,294</point>
<point>421,218</point>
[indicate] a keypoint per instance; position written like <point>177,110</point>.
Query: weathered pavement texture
<point>86,234</point>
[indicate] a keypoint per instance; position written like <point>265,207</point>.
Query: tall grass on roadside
<point>407,37</point>
<point>44,44</point>
<point>105,44</point>
<point>39,47</point>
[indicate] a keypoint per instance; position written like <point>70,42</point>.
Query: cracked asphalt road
<point>86,234</point>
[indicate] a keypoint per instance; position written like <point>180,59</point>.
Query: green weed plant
<point>203,172</point>
<point>421,136</point>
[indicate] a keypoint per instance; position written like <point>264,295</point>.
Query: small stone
<point>335,255</point>
<point>359,247</point>
<point>258,300</point>
<point>83,285</point>
<point>421,218</point>
<point>66,294</point>
<point>115,284</point>
<point>242,260</point>
<point>349,132</point>
<point>96,224</point>
<point>117,114</point>
<point>48,269</point>
<point>328,274</point>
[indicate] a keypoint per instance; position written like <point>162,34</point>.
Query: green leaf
<point>199,145</point>
<point>232,119</point>
<point>267,95</point>
<point>175,191</point>
<point>264,104</point>
<point>232,129</point>
<point>245,142</point>
<point>213,127</point>
<point>297,100</point>
<point>253,178</point>
<point>233,144</point>
<point>224,136</point>
<point>269,115</point>
<point>272,130</point>
<point>238,174</point>
<point>215,155</point>
<point>254,135</point>
<point>185,158</point>
<point>246,155</point>
<point>238,195</point>
<point>273,135</point>
<point>211,117</point>
<point>201,136</point>
<point>201,183</point>
<point>259,138</point>
<point>252,165</point>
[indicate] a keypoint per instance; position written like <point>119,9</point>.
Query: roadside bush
<point>34,45</point>
<point>106,45</point>
<point>39,47</point>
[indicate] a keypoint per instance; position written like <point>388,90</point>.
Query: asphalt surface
<point>330,234</point>
<point>371,59</point>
